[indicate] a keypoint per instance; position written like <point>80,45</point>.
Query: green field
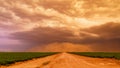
<point>99,54</point>
<point>7,58</point>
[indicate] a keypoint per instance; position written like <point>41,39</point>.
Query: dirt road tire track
<point>66,60</point>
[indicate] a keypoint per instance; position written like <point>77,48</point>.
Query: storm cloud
<point>97,37</point>
<point>90,25</point>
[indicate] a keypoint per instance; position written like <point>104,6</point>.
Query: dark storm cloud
<point>44,35</point>
<point>107,39</point>
<point>40,22</point>
<point>107,32</point>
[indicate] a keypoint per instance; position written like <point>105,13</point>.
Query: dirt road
<point>65,60</point>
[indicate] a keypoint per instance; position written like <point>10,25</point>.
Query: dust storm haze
<point>60,25</point>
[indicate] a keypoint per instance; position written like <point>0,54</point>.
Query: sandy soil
<point>65,60</point>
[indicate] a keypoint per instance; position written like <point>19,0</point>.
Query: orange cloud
<point>99,38</point>
<point>40,22</point>
<point>27,14</point>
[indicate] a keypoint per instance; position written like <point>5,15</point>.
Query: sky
<point>60,25</point>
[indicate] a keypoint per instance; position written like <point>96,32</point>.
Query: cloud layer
<point>84,24</point>
<point>97,37</point>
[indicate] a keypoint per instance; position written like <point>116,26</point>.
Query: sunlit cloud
<point>37,22</point>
